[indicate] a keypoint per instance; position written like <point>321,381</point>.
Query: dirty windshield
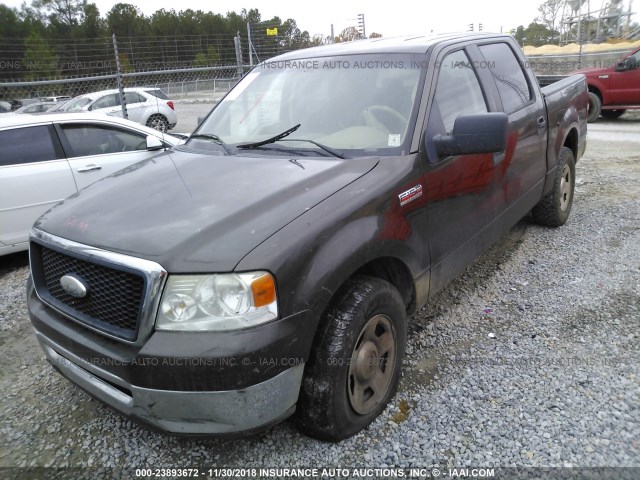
<point>358,104</point>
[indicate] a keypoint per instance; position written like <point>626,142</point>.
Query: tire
<point>354,367</point>
<point>554,208</point>
<point>158,122</point>
<point>594,108</point>
<point>612,114</point>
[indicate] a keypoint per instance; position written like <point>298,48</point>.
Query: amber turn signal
<point>264,291</point>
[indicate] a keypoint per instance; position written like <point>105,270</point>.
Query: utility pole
<point>250,44</point>
<point>123,101</point>
<point>333,37</point>
<point>236,41</point>
<point>361,25</point>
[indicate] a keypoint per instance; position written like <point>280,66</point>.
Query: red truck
<point>614,90</point>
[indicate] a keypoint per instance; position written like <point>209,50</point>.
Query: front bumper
<point>195,412</point>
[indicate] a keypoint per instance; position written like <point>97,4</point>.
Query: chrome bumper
<point>184,412</point>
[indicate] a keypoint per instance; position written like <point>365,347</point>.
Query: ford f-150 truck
<point>614,90</point>
<point>268,267</point>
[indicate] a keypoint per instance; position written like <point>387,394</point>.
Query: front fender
<point>315,254</point>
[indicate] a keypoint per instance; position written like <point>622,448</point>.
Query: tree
<point>375,35</point>
<point>349,34</point>
<point>126,20</point>
<point>93,26</point>
<point>39,60</point>
<point>207,59</point>
<point>66,12</point>
<point>536,34</point>
<point>549,13</point>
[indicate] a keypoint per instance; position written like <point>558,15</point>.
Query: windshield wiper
<point>215,138</point>
<point>326,148</point>
<point>273,139</point>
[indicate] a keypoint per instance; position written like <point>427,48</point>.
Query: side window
<point>98,140</point>
<point>458,93</point>
<point>508,74</point>
<point>26,145</point>
<point>133,97</point>
<point>112,100</point>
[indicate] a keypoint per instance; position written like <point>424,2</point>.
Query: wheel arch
<point>571,141</point>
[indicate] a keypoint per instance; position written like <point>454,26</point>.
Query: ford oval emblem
<point>73,286</point>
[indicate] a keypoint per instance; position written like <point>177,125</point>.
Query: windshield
<point>75,104</point>
<point>358,104</point>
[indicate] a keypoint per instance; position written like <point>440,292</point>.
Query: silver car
<point>46,158</point>
<point>147,106</point>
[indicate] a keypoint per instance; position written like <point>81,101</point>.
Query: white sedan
<point>146,106</point>
<point>46,158</point>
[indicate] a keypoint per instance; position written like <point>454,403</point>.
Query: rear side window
<point>26,145</point>
<point>157,93</point>
<point>133,97</point>
<point>508,74</point>
<point>107,101</point>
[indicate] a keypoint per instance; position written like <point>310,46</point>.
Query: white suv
<point>147,106</point>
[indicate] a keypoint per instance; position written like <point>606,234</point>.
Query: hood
<point>197,212</point>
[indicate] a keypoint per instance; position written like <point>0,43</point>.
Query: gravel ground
<point>530,358</point>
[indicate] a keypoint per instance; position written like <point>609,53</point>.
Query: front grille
<point>114,297</point>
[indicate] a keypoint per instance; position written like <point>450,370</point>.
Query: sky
<point>390,18</point>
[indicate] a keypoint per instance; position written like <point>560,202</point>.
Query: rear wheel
<point>594,107</point>
<point>354,368</point>
<point>554,208</point>
<point>612,114</point>
<point>158,122</point>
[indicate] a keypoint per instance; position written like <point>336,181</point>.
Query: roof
<point>404,44</point>
<point>115,90</point>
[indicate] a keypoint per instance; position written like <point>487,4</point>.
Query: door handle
<point>90,168</point>
<point>542,123</point>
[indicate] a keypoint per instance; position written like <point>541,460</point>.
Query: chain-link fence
<point>177,84</point>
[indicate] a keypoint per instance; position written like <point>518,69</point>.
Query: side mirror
<point>154,143</point>
<point>622,66</point>
<point>478,133</point>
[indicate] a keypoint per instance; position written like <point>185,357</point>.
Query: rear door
<point>34,176</point>
<point>96,150</point>
<point>137,106</point>
<point>522,168</point>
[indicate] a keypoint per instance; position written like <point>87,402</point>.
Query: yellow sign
<point>272,31</point>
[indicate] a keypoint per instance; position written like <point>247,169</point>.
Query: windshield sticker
<point>394,140</point>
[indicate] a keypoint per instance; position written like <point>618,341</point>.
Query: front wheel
<point>554,208</point>
<point>354,367</point>
<point>594,108</point>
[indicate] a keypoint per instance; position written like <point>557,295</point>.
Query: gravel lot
<point>531,358</point>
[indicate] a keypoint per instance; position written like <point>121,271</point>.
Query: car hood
<point>197,212</point>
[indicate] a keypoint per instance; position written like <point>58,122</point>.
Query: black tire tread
<point>314,415</point>
<point>547,212</point>
<point>596,111</point>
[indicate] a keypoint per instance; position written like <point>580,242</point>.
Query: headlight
<point>217,302</point>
